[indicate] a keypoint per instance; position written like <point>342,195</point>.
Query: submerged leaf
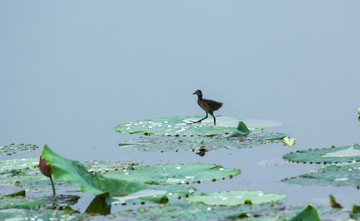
<point>181,126</point>
<point>232,198</point>
<point>325,155</point>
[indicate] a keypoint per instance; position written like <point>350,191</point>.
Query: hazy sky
<point>73,65</point>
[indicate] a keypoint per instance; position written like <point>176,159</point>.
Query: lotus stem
<point>52,184</point>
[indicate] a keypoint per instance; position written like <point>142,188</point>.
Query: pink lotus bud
<point>45,169</point>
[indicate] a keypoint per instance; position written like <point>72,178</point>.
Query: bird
<point>209,106</point>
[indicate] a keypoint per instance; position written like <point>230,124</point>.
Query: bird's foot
<point>193,122</point>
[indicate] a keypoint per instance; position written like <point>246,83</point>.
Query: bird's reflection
<point>202,151</point>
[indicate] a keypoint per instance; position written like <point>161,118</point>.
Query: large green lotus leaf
<point>75,173</point>
<point>172,143</point>
<point>202,212</point>
<point>232,198</point>
<point>326,155</point>
<point>13,149</point>
<point>182,126</point>
<point>175,173</point>
<point>334,175</point>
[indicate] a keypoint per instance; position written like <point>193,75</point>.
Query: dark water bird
<point>209,106</point>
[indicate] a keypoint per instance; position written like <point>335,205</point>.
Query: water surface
<point>71,71</point>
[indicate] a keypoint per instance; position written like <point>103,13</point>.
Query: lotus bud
<point>45,169</point>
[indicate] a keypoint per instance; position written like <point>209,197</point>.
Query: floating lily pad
<point>37,202</point>
<point>103,166</point>
<point>182,126</point>
<point>202,212</point>
<point>154,193</point>
<point>25,173</point>
<point>175,173</point>
<point>232,198</point>
<point>334,175</point>
<point>42,214</point>
<point>40,208</point>
<point>196,211</point>
<point>159,143</point>
<point>326,155</point>
<point>13,149</point>
<point>15,170</point>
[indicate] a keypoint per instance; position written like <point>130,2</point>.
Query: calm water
<point>71,71</point>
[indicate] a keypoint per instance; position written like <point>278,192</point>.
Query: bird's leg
<point>201,119</point>
<point>214,118</point>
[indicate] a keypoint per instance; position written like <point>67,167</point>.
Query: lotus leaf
<point>101,204</point>
<point>21,214</point>
<point>309,213</point>
<point>103,166</point>
<point>334,175</point>
<point>232,198</point>
<point>75,173</point>
<point>333,202</point>
<point>13,149</point>
<point>16,194</point>
<point>241,130</point>
<point>202,212</point>
<point>42,214</point>
<point>37,203</point>
<point>155,143</point>
<point>355,212</point>
<point>154,193</point>
<point>175,173</point>
<point>182,126</point>
<point>326,155</point>
<point>25,173</point>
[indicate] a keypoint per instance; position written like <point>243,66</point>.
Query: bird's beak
<point>194,93</point>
